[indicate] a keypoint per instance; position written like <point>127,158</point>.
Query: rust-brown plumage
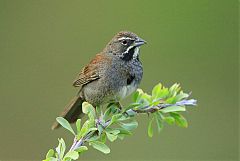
<point>90,72</point>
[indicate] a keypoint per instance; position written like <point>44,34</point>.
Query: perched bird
<point>112,75</point>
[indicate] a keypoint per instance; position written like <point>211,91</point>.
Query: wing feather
<point>92,71</point>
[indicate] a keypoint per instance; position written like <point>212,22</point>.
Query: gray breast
<point>132,78</point>
<point>117,82</point>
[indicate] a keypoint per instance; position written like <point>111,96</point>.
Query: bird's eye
<point>124,42</point>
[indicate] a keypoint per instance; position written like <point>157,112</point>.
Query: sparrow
<point>111,75</point>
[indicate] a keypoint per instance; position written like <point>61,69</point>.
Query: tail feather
<point>71,112</point>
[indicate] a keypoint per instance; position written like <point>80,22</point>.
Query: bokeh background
<point>44,44</point>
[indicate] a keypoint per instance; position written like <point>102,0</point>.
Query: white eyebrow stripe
<point>125,38</point>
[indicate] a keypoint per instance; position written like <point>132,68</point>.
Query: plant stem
<point>148,109</point>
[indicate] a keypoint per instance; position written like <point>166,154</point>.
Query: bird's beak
<point>139,42</point>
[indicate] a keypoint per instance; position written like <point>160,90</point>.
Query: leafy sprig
<point>164,105</point>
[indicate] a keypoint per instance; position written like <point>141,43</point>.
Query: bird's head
<point>125,45</point>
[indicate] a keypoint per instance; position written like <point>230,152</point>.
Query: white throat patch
<point>136,52</point>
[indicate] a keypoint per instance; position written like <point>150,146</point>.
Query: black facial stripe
<point>128,55</point>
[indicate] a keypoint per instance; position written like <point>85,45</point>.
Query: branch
<point>163,105</point>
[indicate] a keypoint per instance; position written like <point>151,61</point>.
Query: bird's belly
<point>126,91</point>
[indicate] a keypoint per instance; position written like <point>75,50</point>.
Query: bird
<point>113,74</point>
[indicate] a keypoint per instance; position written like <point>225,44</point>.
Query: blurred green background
<point>44,44</point>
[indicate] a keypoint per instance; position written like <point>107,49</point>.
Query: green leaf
<point>98,110</point>
<point>146,96</point>
<point>100,146</point>
<point>123,118</point>
<point>100,129</point>
<point>158,121</point>
<point>143,98</point>
<point>171,100</point>
<point>155,102</point>
<point>123,131</point>
<point>156,90</point>
<point>129,126</point>
<point>62,121</point>
<point>150,128</point>
<point>173,109</point>
<point>92,129</point>
<point>137,95</point>
<point>112,134</point>
<point>180,120</point>
<point>170,120</point>
<point>111,137</point>
<point>112,131</point>
<point>81,149</point>
<point>61,148</point>
<point>181,96</point>
<point>88,109</point>
<point>107,113</point>
<point>94,138</point>
<point>78,125</point>
<point>50,153</point>
<point>72,155</point>
<point>114,107</point>
<point>143,102</point>
<point>103,138</point>
<point>121,136</point>
<point>131,106</point>
<point>131,113</point>
<point>164,93</point>
<point>115,119</point>
<point>84,129</point>
<point>174,88</point>
<point>160,115</point>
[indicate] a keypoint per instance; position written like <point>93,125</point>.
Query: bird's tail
<point>71,112</point>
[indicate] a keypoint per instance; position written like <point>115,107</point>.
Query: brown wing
<point>92,71</point>
<point>87,75</point>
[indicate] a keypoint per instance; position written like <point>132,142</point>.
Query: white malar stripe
<point>130,47</point>
<point>136,51</point>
